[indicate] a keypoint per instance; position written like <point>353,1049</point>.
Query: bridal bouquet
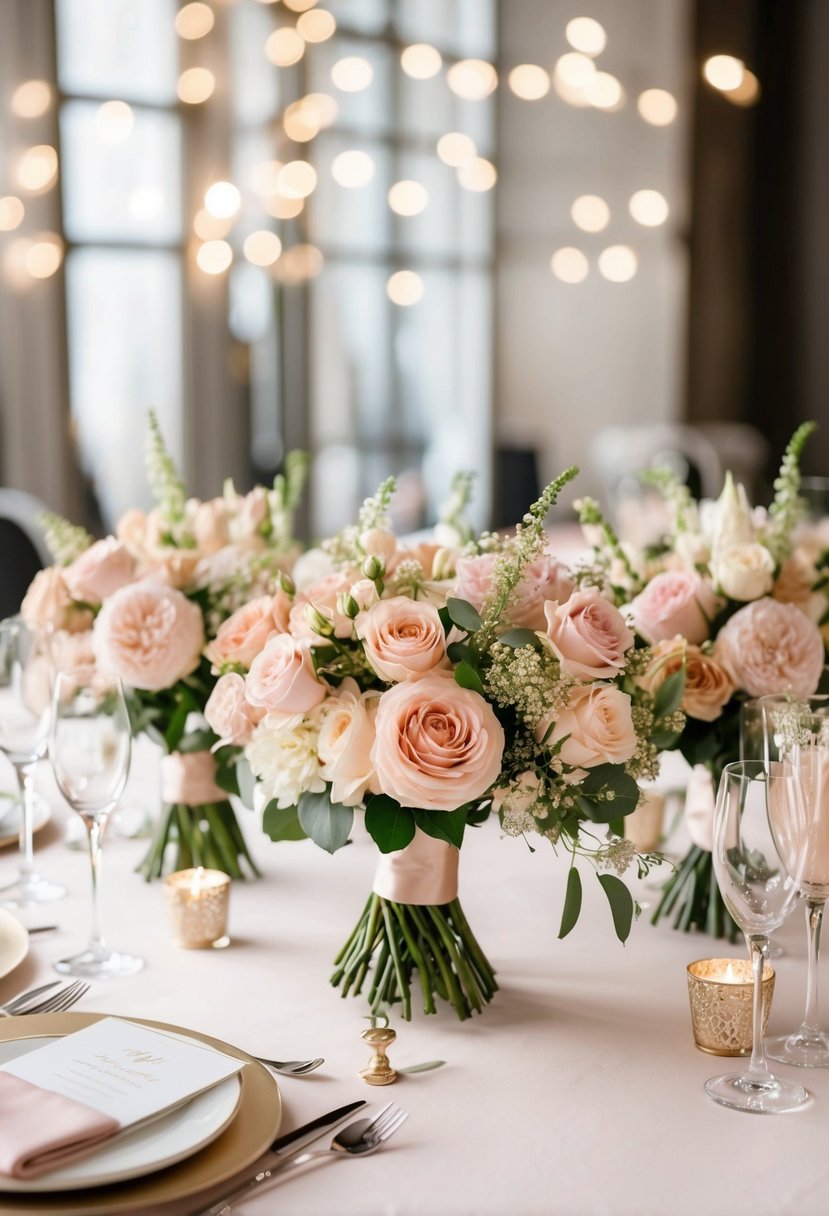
<point>731,603</point>
<point>422,688</point>
<point>146,605</point>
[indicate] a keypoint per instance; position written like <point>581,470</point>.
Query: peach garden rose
<point>229,713</point>
<point>149,635</point>
<point>403,638</point>
<point>243,635</point>
<point>768,647</point>
<point>101,569</point>
<point>596,726</point>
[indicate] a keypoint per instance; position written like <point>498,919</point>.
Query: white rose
<point>692,548</point>
<point>744,572</point>
<point>345,743</point>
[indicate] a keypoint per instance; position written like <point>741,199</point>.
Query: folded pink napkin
<point>40,1130</point>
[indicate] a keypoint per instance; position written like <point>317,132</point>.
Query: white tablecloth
<point>578,1092</point>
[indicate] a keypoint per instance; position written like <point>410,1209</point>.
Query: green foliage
<point>463,614</point>
<point>443,825</point>
<point>390,825</point>
<point>669,695</point>
<point>282,823</point>
<point>467,677</point>
<point>621,904</point>
<point>607,793</point>
<point>572,903</point>
<point>327,823</point>
<point>516,638</point>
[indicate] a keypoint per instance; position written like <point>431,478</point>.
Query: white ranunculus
<point>283,755</point>
<point>744,572</point>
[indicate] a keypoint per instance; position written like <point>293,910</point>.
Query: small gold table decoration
<point>197,901</point>
<point>721,993</point>
<point>379,1070</point>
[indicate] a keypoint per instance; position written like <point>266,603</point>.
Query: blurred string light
<point>325,106</point>
<point>214,257</point>
<point>44,255</point>
<point>352,169</point>
<point>657,107</point>
<point>529,81</point>
<point>297,179</point>
<point>282,208</point>
<point>194,21</point>
<point>605,92</point>
<point>222,200</point>
<point>31,99</point>
<point>352,74</point>
<point>264,177</point>
<point>299,6</point>
<point>618,263</point>
<point>404,287</point>
<point>649,208</point>
<point>421,61</point>
<point>408,198</point>
<point>456,149</point>
<point>317,25</point>
<point>590,212</point>
<point>196,85</point>
<point>209,227</point>
<point>262,247</point>
<point>285,47</point>
<point>587,35</point>
<point>478,174</point>
<point>747,93</point>
<point>724,72</point>
<point>37,168</point>
<point>14,262</point>
<point>298,264</point>
<point>12,212</point>
<point>569,265</point>
<point>114,121</point>
<point>301,121</point>
<point>472,79</point>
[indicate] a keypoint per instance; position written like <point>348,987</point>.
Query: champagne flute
<point>762,839</point>
<point>797,731</point>
<point>753,747</point>
<point>26,677</point>
<point>89,747</point>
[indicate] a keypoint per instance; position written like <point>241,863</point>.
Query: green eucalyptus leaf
<point>246,781</point>
<point>604,779</point>
<point>463,614</point>
<point>327,823</point>
<point>669,695</point>
<point>282,823</point>
<point>516,638</point>
<point>621,904</point>
<point>665,740</point>
<point>617,826</point>
<point>458,650</point>
<point>443,825</point>
<point>572,902</point>
<point>390,825</point>
<point>467,677</point>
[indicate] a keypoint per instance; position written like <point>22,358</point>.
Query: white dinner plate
<point>173,1137</point>
<point>14,942</point>
<point>10,818</point>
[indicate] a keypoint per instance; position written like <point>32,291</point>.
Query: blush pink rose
<point>210,526</point>
<point>677,601</point>
<point>598,724</point>
<point>588,635</point>
<point>48,602</point>
<point>323,596</point>
<point>402,638</point>
<point>243,635</point>
<point>473,580</point>
<point>345,742</point>
<point>149,635</point>
<point>282,679</point>
<point>438,745</point>
<point>100,570</point>
<point>768,647</point>
<point>544,579</point>
<point>228,712</point>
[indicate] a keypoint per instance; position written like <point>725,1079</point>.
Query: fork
<point>55,1002</point>
<point>291,1068</point>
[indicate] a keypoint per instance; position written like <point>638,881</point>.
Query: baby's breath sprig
<point>345,548</point>
<point>590,513</point>
<point>165,480</point>
<point>374,513</point>
<point>509,567</point>
<point>675,493</point>
<point>65,540</point>
<point>787,509</point>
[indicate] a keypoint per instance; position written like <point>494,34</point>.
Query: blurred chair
<point>23,549</point>
<point>516,484</point>
<point>745,451</point>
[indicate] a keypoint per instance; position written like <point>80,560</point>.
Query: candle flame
<point>197,883</point>
<point>730,975</point>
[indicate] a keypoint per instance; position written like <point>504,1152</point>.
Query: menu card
<point>128,1072</point>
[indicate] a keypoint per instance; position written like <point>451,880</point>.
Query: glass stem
<point>26,780</point>
<point>758,1072</point>
<point>95,828</point>
<point>810,1027</point>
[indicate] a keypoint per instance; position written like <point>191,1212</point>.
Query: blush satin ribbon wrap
<point>424,873</point>
<point>189,779</point>
<point>699,807</point>
<point>40,1130</point>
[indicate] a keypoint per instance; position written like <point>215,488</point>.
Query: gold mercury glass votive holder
<point>197,903</point>
<point>721,991</point>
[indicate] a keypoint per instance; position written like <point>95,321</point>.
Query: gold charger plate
<point>256,1124</point>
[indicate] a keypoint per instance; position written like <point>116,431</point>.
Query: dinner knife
<point>277,1155</point>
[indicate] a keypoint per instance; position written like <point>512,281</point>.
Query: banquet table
<point>579,1090</point>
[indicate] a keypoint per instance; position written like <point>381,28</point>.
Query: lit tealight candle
<point>197,901</point>
<point>721,991</point>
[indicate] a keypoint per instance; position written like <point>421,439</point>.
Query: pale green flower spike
<point>453,510</point>
<point>164,478</point>
<point>787,509</point>
<point>65,540</point>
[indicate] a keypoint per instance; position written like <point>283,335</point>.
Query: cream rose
<point>243,635</point>
<point>588,635</point>
<point>345,742</point>
<point>100,570</point>
<point>282,679</point>
<point>149,635</point>
<point>677,601</point>
<point>402,638</point>
<point>768,647</point>
<point>744,572</point>
<point>708,686</point>
<point>229,713</point>
<point>438,745</point>
<point>598,724</point>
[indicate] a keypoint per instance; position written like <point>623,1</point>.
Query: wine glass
<point>797,730</point>
<point>762,838</point>
<point>26,677</point>
<point>753,747</point>
<point>89,747</point>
